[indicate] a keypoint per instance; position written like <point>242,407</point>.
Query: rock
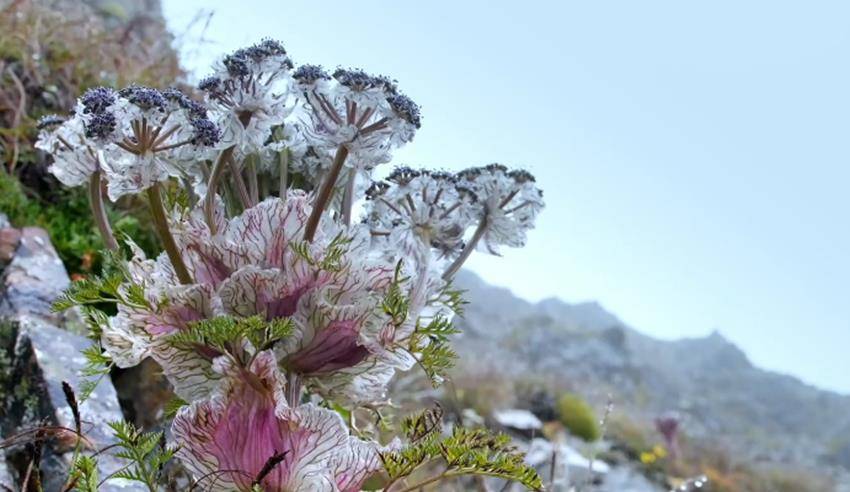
<point>471,417</point>
<point>44,357</point>
<point>517,419</point>
<point>626,479</point>
<point>144,379</point>
<point>5,475</point>
<point>4,221</point>
<point>571,467</point>
<point>36,356</point>
<point>33,279</point>
<point>9,240</point>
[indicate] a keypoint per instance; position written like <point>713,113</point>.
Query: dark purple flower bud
<point>403,175</point>
<point>521,176</point>
<point>178,97</point>
<point>262,50</point>
<point>469,174</point>
<point>355,79</point>
<point>205,132</point>
<point>144,97</point>
<point>390,86</point>
<point>496,168</point>
<point>210,84</point>
<point>97,99</point>
<point>377,189</point>
<point>309,74</point>
<point>100,125</point>
<point>49,121</point>
<point>237,64</point>
<point>405,108</point>
<point>443,175</point>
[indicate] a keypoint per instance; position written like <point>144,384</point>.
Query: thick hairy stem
<point>325,193</point>
<point>283,160</point>
<point>253,185</point>
<point>236,173</point>
<point>467,250</point>
<point>348,197</point>
<point>212,186</point>
<point>99,212</point>
<point>160,221</point>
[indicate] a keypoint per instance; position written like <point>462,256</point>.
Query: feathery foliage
<point>146,451</point>
<point>463,452</point>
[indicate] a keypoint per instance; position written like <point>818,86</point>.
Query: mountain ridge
<point>765,416</point>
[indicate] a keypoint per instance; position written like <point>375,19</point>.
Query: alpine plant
<point>293,286</point>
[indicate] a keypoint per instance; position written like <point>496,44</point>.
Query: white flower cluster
<point>268,299</point>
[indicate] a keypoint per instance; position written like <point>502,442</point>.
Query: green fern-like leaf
<point>145,451</point>
<point>84,474</point>
<point>173,406</point>
<point>465,452</point>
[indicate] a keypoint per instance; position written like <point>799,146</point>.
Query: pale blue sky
<point>694,155</point>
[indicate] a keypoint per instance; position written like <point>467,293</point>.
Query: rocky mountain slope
<point>759,416</point>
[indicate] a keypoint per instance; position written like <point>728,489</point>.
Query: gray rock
<point>571,468</point>
<point>521,420</point>
<point>33,279</point>
<point>37,354</point>
<point>4,221</point>
<point>44,357</point>
<point>5,475</point>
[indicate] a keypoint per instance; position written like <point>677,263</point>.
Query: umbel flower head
<point>249,95</point>
<point>508,204</point>
<point>363,113</point>
<point>137,136</point>
<point>417,210</point>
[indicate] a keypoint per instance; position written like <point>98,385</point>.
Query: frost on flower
<point>225,441</point>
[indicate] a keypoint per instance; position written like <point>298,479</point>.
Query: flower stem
<point>467,250</point>
<point>253,186</point>
<point>283,158</point>
<point>240,184</point>
<point>160,222</point>
<point>99,212</point>
<point>212,186</point>
<point>348,198</point>
<point>325,193</point>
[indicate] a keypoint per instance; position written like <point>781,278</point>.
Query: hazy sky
<point>694,155</point>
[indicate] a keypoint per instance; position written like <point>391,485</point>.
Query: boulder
<point>34,277</point>
<point>570,466</point>
<point>518,420</point>
<point>37,354</point>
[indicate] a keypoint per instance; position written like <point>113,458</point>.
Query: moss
<point>578,417</point>
<point>68,220</point>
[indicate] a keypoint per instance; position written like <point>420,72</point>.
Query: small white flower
<point>417,210</point>
<point>508,204</point>
<point>75,159</point>
<point>249,94</point>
